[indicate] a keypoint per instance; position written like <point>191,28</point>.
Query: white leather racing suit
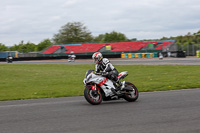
<point>108,69</point>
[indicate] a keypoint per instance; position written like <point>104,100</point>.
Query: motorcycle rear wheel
<point>92,98</point>
<point>131,96</point>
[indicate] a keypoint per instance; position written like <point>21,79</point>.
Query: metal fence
<point>190,49</point>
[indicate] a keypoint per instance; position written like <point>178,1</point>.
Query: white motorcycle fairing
<point>103,82</point>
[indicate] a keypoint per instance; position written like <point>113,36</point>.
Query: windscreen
<point>88,72</point>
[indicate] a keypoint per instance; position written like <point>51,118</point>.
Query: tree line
<point>77,32</point>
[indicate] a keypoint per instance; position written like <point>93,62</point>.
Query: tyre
<point>131,96</point>
<point>91,97</point>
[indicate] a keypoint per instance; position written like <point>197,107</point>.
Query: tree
<point>44,44</point>
<point>99,38</point>
<point>24,48</point>
<point>112,37</point>
<point>73,32</point>
<point>132,40</point>
<point>14,48</point>
<point>3,47</point>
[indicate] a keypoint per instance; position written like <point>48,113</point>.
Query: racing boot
<point>121,85</point>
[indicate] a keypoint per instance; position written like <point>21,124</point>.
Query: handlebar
<point>102,73</point>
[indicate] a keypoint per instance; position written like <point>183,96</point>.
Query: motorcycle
<point>9,59</point>
<point>71,58</point>
<point>98,88</point>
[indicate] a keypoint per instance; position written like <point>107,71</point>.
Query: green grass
<point>41,81</point>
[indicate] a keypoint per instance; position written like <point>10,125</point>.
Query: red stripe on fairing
<point>119,76</point>
<point>103,81</point>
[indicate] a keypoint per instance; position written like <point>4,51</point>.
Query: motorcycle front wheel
<point>91,96</point>
<point>131,96</point>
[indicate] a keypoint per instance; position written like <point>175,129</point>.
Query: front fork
<point>94,89</point>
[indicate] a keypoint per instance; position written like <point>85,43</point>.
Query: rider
<point>71,57</point>
<point>103,65</point>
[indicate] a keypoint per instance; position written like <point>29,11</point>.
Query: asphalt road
<point>154,112</point>
<point>133,61</point>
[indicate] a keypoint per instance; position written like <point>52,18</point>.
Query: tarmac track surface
<point>154,112</point>
<point>119,61</point>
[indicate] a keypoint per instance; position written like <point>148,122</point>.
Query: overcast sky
<point>36,20</point>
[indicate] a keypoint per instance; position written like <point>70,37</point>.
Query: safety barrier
<point>139,55</point>
<point>198,53</point>
<point>5,54</point>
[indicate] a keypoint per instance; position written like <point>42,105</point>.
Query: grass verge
<point>24,81</point>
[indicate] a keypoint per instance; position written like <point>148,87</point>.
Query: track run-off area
<point>176,111</point>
